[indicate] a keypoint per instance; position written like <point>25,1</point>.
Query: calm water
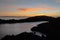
<point>9,29</point>
<point>7,18</point>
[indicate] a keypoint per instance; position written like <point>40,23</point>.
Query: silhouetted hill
<point>30,19</point>
<point>23,36</point>
<point>40,18</point>
<point>51,29</point>
<point>58,18</point>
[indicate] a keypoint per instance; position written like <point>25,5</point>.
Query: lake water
<point>16,28</point>
<point>7,18</point>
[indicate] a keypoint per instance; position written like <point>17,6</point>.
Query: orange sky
<point>29,15</point>
<point>35,9</point>
<point>29,7</point>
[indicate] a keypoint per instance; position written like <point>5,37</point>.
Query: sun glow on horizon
<point>29,7</point>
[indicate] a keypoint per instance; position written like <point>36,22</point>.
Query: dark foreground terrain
<point>49,31</point>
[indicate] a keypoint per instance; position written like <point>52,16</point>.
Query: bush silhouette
<point>8,37</point>
<point>23,36</point>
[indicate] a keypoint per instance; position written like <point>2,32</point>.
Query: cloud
<point>35,9</point>
<point>7,1</point>
<point>10,0</point>
<point>11,6</point>
<point>40,8</point>
<point>58,1</point>
<point>42,5</point>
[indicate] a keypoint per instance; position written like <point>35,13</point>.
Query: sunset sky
<point>29,7</point>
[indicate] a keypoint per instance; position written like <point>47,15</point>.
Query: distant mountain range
<point>30,19</point>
